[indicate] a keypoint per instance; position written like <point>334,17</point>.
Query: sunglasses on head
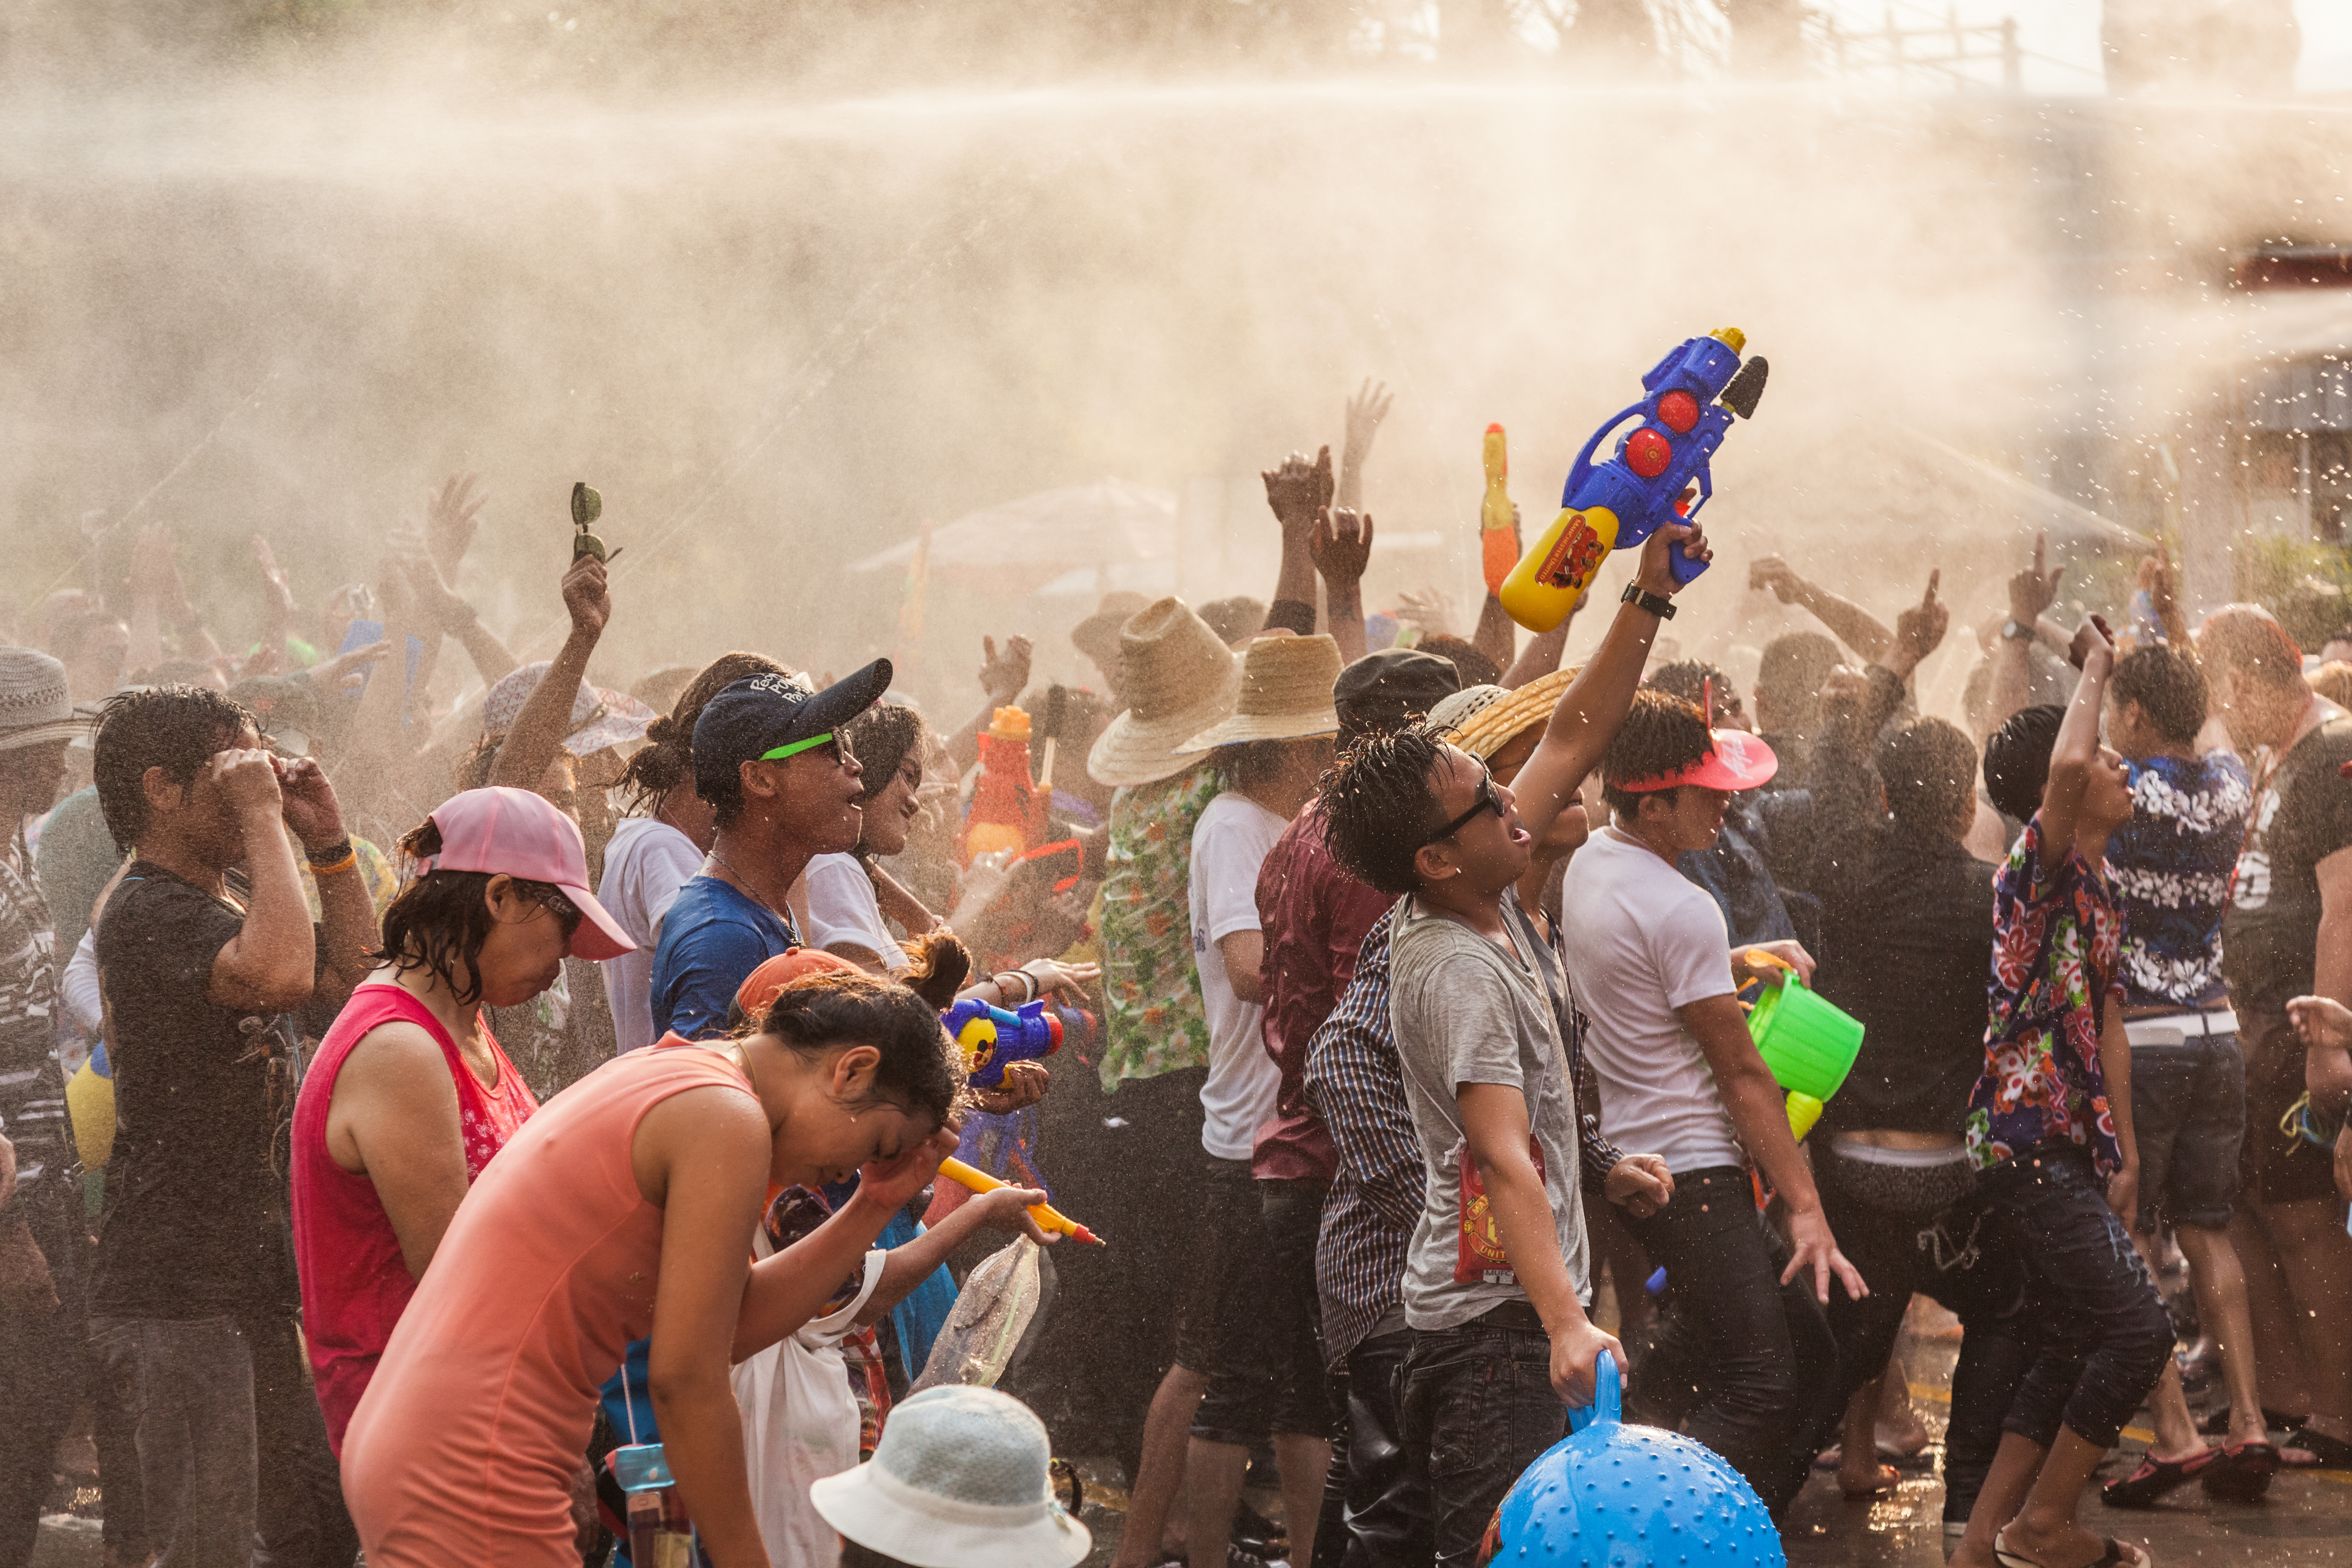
<point>1488,801</point>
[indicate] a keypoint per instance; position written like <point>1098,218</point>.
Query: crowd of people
<point>409,1110</point>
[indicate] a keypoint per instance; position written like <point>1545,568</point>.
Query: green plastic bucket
<point>1809,1044</point>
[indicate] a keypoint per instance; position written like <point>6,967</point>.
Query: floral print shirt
<point>2056,954</point>
<point>2170,865</point>
<point>1155,1022</point>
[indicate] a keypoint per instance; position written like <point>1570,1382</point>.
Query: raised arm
<point>1298,491</point>
<point>1847,621</point>
<point>1365,412</point>
<point>2030,592</point>
<point>1340,546</point>
<point>546,717</point>
<point>2077,751</point>
<point>1003,679</point>
<point>348,928</point>
<point>1587,716</point>
<point>269,965</point>
<point>906,1266</point>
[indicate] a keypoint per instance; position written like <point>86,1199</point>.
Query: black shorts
<point>2278,1167</point>
<point>1250,1314</point>
<point>2189,1118</point>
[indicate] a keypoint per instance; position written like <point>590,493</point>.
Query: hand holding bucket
<point>1809,1045</point>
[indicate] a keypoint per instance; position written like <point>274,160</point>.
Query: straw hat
<point>36,704</point>
<point>1496,723</point>
<point>1285,693</point>
<point>1178,681</point>
<point>1096,637</point>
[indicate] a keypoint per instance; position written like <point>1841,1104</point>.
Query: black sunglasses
<point>1487,801</point>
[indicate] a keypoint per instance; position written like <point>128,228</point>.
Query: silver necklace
<point>745,882</point>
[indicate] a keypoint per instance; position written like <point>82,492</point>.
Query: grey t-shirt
<point>1465,1010</point>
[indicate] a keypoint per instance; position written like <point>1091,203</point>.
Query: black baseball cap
<point>1381,691</point>
<point>771,717</point>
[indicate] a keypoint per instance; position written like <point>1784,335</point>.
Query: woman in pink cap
<point>410,1095</point>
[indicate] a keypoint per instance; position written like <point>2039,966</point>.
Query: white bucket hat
<point>959,1480</point>
<point>36,704</point>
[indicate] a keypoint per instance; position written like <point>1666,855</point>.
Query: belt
<point>2179,1028</point>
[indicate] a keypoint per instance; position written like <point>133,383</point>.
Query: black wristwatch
<point>1658,605</point>
<point>331,855</point>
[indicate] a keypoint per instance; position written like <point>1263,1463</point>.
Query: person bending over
<point>2049,1125</point>
<point>1497,1280</point>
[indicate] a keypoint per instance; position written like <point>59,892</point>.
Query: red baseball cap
<point>1736,760</point>
<point>523,835</point>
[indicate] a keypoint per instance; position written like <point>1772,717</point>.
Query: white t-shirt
<point>645,865</point>
<point>1230,841</point>
<point>1641,942</point>
<point>842,908</point>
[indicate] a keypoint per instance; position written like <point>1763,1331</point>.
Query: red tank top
<point>355,1284</point>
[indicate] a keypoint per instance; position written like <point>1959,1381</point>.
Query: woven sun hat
<point>1285,693</point>
<point>36,703</point>
<point>1496,724</point>
<point>959,1480</point>
<point>1178,681</point>
<point>1460,708</point>
<point>599,719</point>
<point>1096,637</point>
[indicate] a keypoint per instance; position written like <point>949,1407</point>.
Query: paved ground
<point>2306,1518</point>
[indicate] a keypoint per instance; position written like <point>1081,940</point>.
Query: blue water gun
<point>990,1037</point>
<point>1686,405</point>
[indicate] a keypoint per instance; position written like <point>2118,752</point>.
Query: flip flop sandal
<point>2156,1477</point>
<point>2244,1472</point>
<point>1889,1478</point>
<point>2328,1453</point>
<point>2115,1556</point>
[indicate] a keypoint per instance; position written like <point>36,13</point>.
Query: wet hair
<point>2248,641</point>
<point>1474,668</point>
<point>881,739</point>
<point>440,920</point>
<point>1790,675</point>
<point>1929,769</point>
<point>918,1070</point>
<point>1690,678</point>
<point>667,759</point>
<point>2168,686</point>
<point>175,728</point>
<point>1376,804</point>
<point>1662,732</point>
<point>2017,759</point>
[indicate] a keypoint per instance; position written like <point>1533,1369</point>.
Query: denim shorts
<point>2189,1118</point>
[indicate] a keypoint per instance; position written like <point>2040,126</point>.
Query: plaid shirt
<point>1356,1085</point>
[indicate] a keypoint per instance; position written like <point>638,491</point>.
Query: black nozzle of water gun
<point>1747,388</point>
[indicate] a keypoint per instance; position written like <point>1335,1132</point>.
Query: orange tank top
<point>462,1451</point>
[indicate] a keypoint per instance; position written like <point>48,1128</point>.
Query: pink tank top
<point>463,1450</point>
<point>355,1283</point>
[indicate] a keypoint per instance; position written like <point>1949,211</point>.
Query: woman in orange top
<point>625,1207</point>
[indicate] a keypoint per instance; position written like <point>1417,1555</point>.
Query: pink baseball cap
<point>1736,760</point>
<point>521,834</point>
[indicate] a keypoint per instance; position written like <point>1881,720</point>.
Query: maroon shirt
<point>1314,917</point>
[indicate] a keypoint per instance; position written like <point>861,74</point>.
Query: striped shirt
<point>1357,1084</point>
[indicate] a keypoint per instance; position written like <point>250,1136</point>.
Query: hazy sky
<point>2068,30</point>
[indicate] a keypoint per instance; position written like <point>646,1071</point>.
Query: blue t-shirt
<point>2170,866</point>
<point>712,938</point>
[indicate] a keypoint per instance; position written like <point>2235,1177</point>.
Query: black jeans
<point>1757,1354</point>
<point>231,1442</point>
<point>1478,1402</point>
<point>1961,1255</point>
<point>40,1364</point>
<point>2103,1336</point>
<point>1376,1508</point>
